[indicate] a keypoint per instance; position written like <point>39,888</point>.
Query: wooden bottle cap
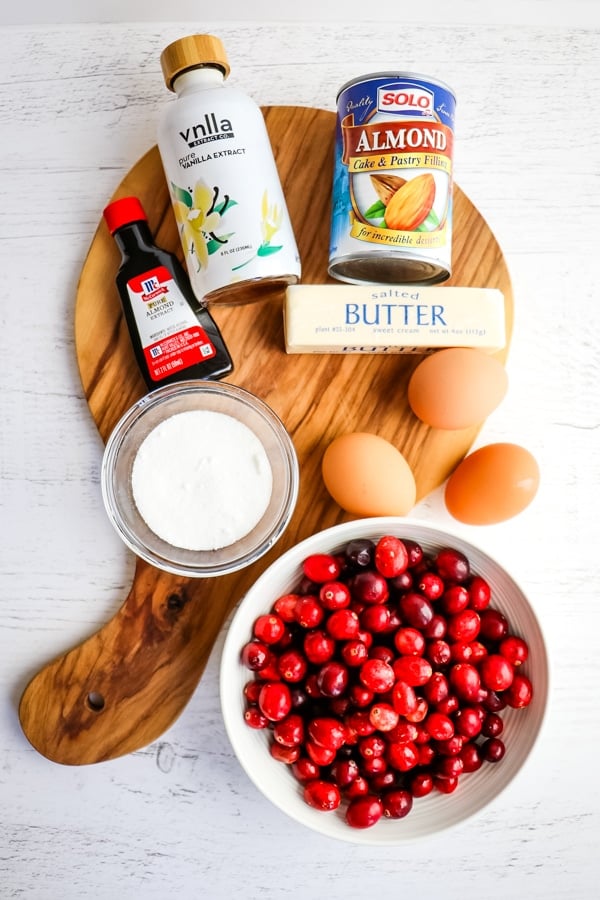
<point>192,52</point>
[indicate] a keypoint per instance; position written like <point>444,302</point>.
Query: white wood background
<point>78,106</point>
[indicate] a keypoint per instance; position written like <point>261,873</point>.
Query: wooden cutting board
<point>124,686</point>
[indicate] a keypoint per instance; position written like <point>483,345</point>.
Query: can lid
<point>192,52</point>
<point>123,212</point>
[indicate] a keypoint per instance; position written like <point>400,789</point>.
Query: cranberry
<point>402,582</point>
<point>494,625</point>
<point>479,593</point>
<point>464,625</point>
<point>318,647</point>
<point>360,722</point>
<point>256,655</point>
<point>289,732</point>
<point>465,680</point>
<point>383,781</point>
<point>403,732</point>
<point>369,587</point>
<point>455,599</point>
<point>415,609</point>
<point>358,788</point>
<point>403,757</point>
<point>304,769</point>
<point>414,670</point>
<point>364,812</point>
<point>449,766</point>
<point>452,565</point>
<point>285,607</point>
<point>496,672</point>
<point>421,784</point>
<point>420,712</point>
<point>343,624</point>
<point>360,696</point>
<point>450,747</point>
<point>494,702</point>
<point>344,772</point>
<point>436,629</point>
<point>322,795</point>
<point>332,679</point>
<point>437,688</point>
<point>360,553</point>
<point>251,691</point>
<point>334,595</point>
<point>391,556</point>
<point>471,757</point>
<point>375,618</point>
<point>275,700</point>
<point>439,726</point>
<point>287,755</point>
<point>445,785</point>
<point>321,567</point>
<point>426,754</point>
<point>397,803</point>
<point>377,675</point>
<point>493,750</point>
<point>492,725</point>
<point>520,693</point>
<point>431,585</point>
<point>383,716</point>
<point>415,552</point>
<point>292,665</point>
<point>269,628</point>
<point>404,698</point>
<point>514,649</point>
<point>309,612</point>
<point>254,718</point>
<point>327,732</point>
<point>321,756</point>
<point>409,641</point>
<point>354,653</point>
<point>374,765</point>
<point>468,722</point>
<point>438,653</point>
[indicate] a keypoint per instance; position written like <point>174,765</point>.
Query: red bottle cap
<point>123,212</point>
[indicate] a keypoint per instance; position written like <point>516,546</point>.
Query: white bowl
<point>430,814</point>
<point>124,443</point>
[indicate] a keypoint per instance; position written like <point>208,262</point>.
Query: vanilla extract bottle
<point>174,337</point>
<point>234,226</point>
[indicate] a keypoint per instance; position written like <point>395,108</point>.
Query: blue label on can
<point>392,190</point>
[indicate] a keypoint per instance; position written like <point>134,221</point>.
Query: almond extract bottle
<point>231,214</point>
<point>174,337</point>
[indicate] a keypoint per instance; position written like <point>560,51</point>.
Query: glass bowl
<point>153,409</point>
<point>430,814</point>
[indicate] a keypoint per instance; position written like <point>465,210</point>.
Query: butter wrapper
<point>328,318</point>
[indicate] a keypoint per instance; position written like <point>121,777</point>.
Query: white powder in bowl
<point>201,480</point>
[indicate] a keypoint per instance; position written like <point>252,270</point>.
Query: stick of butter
<point>328,318</point>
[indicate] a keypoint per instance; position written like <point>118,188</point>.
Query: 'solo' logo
<point>405,98</point>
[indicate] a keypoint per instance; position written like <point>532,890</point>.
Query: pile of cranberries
<point>383,676</point>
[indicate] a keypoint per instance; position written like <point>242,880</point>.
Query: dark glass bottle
<point>174,338</point>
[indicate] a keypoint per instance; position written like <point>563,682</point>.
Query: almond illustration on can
<point>411,204</point>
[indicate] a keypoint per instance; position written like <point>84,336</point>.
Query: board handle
<point>125,685</point>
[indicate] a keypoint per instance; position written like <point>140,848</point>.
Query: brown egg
<point>492,484</point>
<point>456,388</point>
<point>368,476</point>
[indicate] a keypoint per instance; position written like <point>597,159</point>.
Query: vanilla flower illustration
<point>198,217</point>
<point>272,217</point>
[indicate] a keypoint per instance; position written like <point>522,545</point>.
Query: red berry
<point>343,624</point>
<point>397,803</point>
<point>321,756</point>
<point>323,795</point>
<point>369,587</point>
<point>344,772</point>
<point>479,593</point>
<point>287,755</point>
<point>284,607</point>
<point>493,750</point>
<point>321,567</point>
<point>292,665</point>
<point>391,556</point>
<point>431,585</point>
<point>452,565</point>
<point>383,716</point>
<point>269,628</point>
<point>332,679</point>
<point>403,757</point>
<point>414,670</point>
<point>514,649</point>
<point>375,619</point>
<point>364,812</point>
<point>421,784</point>
<point>318,646</point>
<point>275,700</point>
<point>256,655</point>
<point>464,625</point>
<point>409,641</point>
<point>334,595</point>
<point>304,769</point>
<point>439,726</point>
<point>289,732</point>
<point>309,612</point>
<point>493,624</point>
<point>404,698</point>
<point>520,693</point>
<point>465,680</point>
<point>255,719</point>
<point>354,653</point>
<point>496,672</point>
<point>455,599</point>
<point>377,675</point>
<point>327,732</point>
<point>471,757</point>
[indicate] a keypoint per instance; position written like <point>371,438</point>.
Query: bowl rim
<point>172,393</point>
<point>336,536</point>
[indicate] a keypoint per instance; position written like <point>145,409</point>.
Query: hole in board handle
<point>95,701</point>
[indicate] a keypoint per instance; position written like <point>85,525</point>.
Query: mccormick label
<point>392,191</point>
<point>171,337</point>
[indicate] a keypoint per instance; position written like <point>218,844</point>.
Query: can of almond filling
<point>392,188</point>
